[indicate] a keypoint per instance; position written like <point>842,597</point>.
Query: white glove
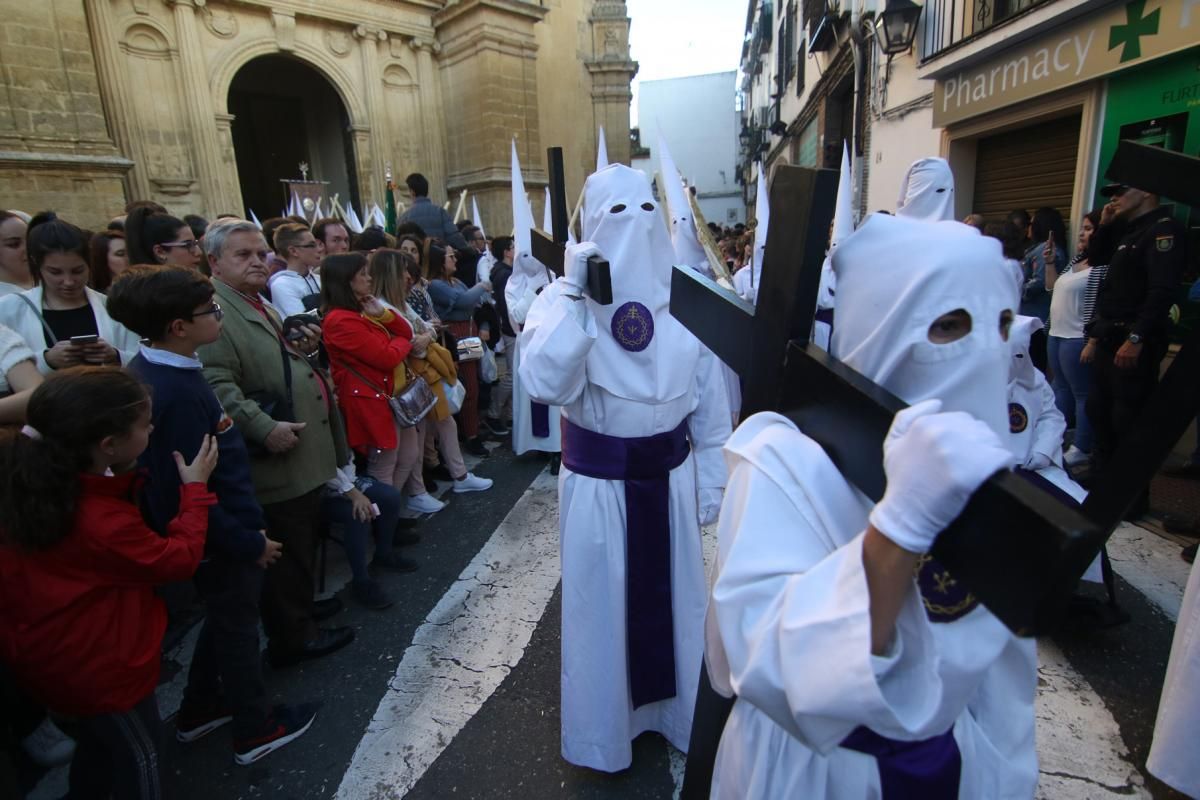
<point>710,505</point>
<point>575,271</point>
<point>934,462</point>
<point>1037,461</point>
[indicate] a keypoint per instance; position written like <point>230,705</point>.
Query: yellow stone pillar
<point>114,87</point>
<point>433,121</point>
<point>199,108</point>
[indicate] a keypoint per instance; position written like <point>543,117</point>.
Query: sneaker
<point>475,447</point>
<point>1075,457</point>
<point>495,426</point>
<point>47,746</point>
<point>472,483</point>
<point>197,721</point>
<point>424,504</point>
<point>284,724</point>
<point>370,595</point>
<point>394,563</point>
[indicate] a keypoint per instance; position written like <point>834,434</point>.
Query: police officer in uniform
<point>1127,338</point>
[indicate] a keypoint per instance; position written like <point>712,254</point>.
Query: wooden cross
<point>1017,548</point>
<point>550,248</point>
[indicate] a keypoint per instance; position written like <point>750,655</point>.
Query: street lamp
<point>897,26</point>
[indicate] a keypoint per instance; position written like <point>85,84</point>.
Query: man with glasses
<point>298,288</point>
<point>1145,249</point>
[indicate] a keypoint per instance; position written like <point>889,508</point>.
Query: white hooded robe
<point>570,356</point>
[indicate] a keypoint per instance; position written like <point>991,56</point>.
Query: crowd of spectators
<point>185,401</point>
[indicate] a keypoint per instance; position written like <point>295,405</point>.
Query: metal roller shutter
<point>1027,168</point>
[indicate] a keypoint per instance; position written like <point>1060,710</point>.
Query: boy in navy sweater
<point>173,308</point>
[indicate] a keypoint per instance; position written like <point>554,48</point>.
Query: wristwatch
<point>1135,339</point>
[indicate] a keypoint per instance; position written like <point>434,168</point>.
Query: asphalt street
<point>453,692</point>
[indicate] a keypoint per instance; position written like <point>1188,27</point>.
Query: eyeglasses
<point>216,312</point>
<point>190,244</point>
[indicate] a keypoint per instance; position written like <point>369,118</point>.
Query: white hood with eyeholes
<point>927,191</point>
<point>642,353</point>
<point>895,277</point>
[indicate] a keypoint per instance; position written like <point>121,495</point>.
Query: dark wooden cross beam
<point>1014,546</point>
<point>550,248</point>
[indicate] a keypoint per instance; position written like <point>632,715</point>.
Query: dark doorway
<point>286,112</point>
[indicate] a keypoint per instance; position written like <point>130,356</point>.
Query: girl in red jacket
<point>80,626</point>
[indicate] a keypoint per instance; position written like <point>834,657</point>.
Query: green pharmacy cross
<point>1137,24</point>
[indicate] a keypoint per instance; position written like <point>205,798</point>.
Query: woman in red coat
<point>367,346</point>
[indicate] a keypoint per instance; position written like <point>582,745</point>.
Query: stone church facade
<point>206,105</point>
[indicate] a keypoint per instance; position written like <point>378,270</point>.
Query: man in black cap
<point>1144,247</point>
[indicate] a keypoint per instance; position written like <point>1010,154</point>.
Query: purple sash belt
<point>644,463</point>
<point>924,770</point>
<point>539,418</point>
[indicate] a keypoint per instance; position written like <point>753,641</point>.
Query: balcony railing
<point>950,23</point>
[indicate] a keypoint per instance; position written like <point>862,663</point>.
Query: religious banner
<point>1094,45</point>
<point>310,194</point>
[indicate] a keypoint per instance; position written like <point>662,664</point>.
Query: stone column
<point>198,107</point>
<point>114,88</point>
<point>231,190</point>
<point>372,184</point>
<point>433,119</point>
<point>612,72</point>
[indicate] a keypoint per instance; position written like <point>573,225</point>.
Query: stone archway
<point>285,111</point>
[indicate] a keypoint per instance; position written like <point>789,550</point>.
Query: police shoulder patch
<point>1165,242</point>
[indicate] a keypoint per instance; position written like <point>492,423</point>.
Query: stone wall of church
<point>110,100</point>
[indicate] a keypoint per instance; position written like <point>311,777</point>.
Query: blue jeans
<point>336,509</point>
<point>1071,382</point>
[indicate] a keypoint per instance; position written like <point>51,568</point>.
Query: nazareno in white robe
<point>1173,751</point>
<point>598,720</point>
<point>789,632</point>
<point>520,294</point>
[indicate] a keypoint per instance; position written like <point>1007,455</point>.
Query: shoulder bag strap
<point>50,337</point>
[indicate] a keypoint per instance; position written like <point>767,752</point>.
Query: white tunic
<point>789,632</point>
<point>520,297</point>
<point>1173,751</point>
<point>598,720</point>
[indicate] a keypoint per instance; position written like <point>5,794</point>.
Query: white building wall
<point>697,118</point>
<point>901,128</point>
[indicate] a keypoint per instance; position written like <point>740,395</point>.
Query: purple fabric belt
<point>539,417</point>
<point>644,463</point>
<point>924,770</point>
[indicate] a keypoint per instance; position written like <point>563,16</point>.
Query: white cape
<point>789,632</point>
<point>1173,751</point>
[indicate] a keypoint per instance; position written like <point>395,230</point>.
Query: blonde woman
<point>393,274</point>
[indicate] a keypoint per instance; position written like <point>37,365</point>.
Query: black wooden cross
<point>550,248</point>
<point>1018,549</point>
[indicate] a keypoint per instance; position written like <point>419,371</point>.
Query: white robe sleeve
<point>794,622</point>
<point>1050,425</point>
<point>558,334</point>
<point>709,425</point>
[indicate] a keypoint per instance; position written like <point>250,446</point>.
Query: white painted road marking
<point>467,645</point>
<point>1151,564</point>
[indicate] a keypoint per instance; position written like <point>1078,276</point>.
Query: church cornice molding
<point>495,178</point>
<point>104,164</point>
<point>382,15</point>
<point>485,39</point>
<point>531,12</point>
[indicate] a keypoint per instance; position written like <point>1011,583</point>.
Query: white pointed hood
<point>1024,393</point>
<point>476,220</point>
<point>762,217</point>
<point>528,273</point>
<point>895,277</point>
<point>843,226</point>
<point>927,191</point>
<point>547,215</point>
<point>684,238</point>
<point>642,353</point>
<point>601,151</point>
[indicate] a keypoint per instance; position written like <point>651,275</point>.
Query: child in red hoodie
<point>80,626</point>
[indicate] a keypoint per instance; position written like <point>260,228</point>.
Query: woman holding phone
<point>64,322</point>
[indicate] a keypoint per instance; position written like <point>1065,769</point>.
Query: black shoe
<point>405,538</point>
<point>196,720</point>
<point>475,447</point>
<point>1188,553</point>
<point>441,473</point>
<point>324,609</point>
<point>284,724</point>
<point>407,523</point>
<point>555,463</point>
<point>394,563</point>
<point>371,595</point>
<point>328,640</point>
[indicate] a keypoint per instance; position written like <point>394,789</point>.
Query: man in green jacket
<point>286,411</point>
